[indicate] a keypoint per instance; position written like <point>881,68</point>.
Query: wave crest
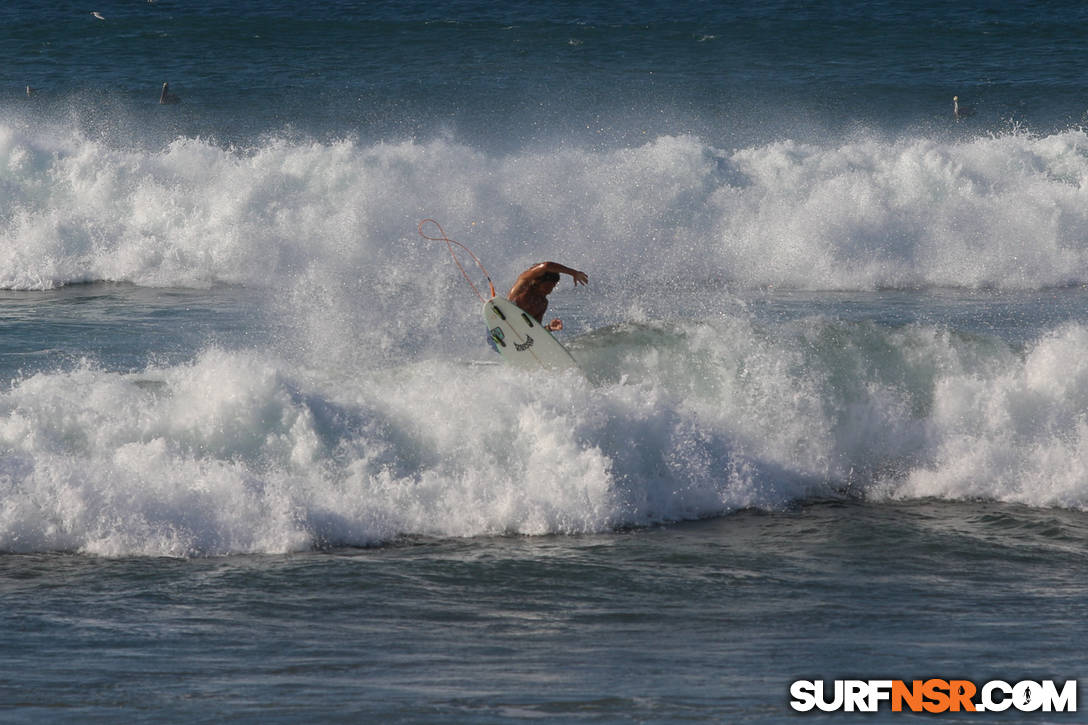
<point>1003,211</point>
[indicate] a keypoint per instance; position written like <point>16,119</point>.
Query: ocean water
<point>258,465</point>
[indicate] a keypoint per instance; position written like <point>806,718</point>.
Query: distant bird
<point>97,14</point>
<point>166,96</point>
<point>959,111</point>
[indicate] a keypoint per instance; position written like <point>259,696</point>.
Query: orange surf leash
<point>449,243</point>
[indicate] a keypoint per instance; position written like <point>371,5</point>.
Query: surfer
<point>960,112</point>
<point>166,97</point>
<point>530,291</point>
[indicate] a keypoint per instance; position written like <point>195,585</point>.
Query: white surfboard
<point>521,340</point>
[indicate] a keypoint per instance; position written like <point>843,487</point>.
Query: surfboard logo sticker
<point>515,336</point>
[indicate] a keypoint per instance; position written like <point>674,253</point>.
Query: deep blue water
<point>702,621</point>
<point>549,72</point>
<point>256,464</point>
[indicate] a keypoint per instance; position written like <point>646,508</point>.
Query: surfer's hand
<point>579,277</point>
<point>555,325</point>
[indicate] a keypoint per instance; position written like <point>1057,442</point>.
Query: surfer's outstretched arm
<point>539,270</point>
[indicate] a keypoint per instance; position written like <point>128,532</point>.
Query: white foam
<point>1006,211</point>
<point>1017,433</point>
<point>248,452</point>
<point>232,454</point>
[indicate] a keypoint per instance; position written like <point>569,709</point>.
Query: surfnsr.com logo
<point>933,696</point>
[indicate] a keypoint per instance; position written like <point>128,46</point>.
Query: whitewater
<point>1003,211</point>
<point>724,369</point>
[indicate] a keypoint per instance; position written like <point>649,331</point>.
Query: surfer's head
<point>547,282</point>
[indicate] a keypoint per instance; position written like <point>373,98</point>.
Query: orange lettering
<point>936,691</point>
<point>912,695</point>
<point>961,693</point>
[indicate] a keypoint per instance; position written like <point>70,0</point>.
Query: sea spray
<point>1018,434</point>
<point>247,451</point>
<point>1001,211</point>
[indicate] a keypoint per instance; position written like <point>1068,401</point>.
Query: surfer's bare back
<point>530,291</point>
